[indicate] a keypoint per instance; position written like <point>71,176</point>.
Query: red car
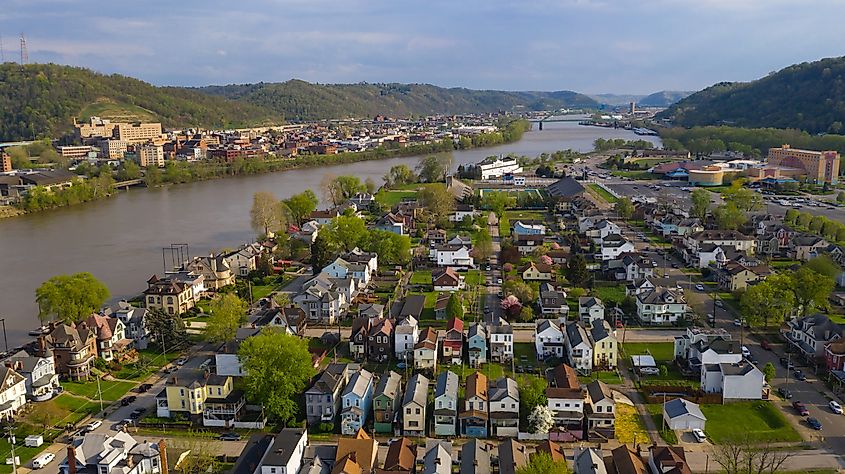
<point>800,408</point>
<point>619,324</point>
<point>765,345</point>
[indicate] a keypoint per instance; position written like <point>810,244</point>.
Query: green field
<point>610,294</point>
<point>392,197</point>
<point>117,112</point>
<point>663,352</point>
<point>112,390</point>
<point>421,277</point>
<point>760,421</point>
<point>602,193</point>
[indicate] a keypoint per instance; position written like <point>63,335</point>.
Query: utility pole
<point>99,393</point>
<point>10,433</point>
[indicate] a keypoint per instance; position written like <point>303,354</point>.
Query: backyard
<point>760,421</point>
<point>656,412</point>
<point>602,193</point>
<point>111,389</point>
<point>629,425</point>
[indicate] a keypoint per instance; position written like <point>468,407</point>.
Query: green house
<point>387,401</point>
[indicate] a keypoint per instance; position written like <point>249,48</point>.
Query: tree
<point>338,189</point>
<point>532,393</point>
<point>840,197</point>
<point>322,251</point>
<point>399,175</point>
<point>791,216</point>
<point>434,168</point>
<point>264,265</point>
<point>769,371</point>
<point>498,202</point>
<point>70,298</point>
<point>624,207</point>
<point>391,248</point>
<point>769,302</point>
<point>824,265</point>
<point>167,330</point>
<point>577,273</point>
<point>742,455</point>
<point>816,224</point>
<point>811,289</point>
<point>664,371</point>
<point>700,202</point>
<point>370,185</point>
<point>541,419</point>
<point>523,291</point>
<point>526,314</point>
<point>744,199</point>
<point>542,463</point>
<point>346,232</point>
<point>483,248</point>
<point>152,176</point>
<point>278,368</point>
<point>302,205</point>
<point>511,305</point>
<point>228,313</point>
<point>267,213</point>
<point>438,201</point>
<point>729,217</point>
<point>455,307</point>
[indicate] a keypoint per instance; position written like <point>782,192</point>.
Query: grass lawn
<point>421,277</point>
<point>610,378</point>
<point>528,215</point>
<point>392,197</point>
<point>761,421</point>
<point>59,411</point>
<point>154,360</point>
<point>260,291</point>
<point>602,193</point>
<point>629,425</point>
<point>204,305</point>
<point>638,175</point>
<point>656,411</point>
<point>504,227</point>
<point>610,294</point>
<point>837,318</point>
<point>474,277</point>
<point>111,390</point>
<point>661,351</point>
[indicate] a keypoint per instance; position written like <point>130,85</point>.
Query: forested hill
<point>299,100</point>
<point>806,96</point>
<point>40,100</point>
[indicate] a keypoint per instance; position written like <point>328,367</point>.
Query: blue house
<point>477,345</point>
<point>446,404</point>
<point>356,401</point>
<point>523,228</point>
<point>474,414</point>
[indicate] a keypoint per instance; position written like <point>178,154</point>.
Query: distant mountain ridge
<point>657,99</point>
<point>299,100</point>
<point>41,100</point>
<point>809,96</point>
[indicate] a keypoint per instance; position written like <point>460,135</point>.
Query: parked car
<point>42,460</point>
<point>94,425</point>
<point>783,361</point>
<point>764,344</point>
<point>835,407</point>
<point>231,436</point>
<point>674,265</point>
<point>720,304</point>
<point>799,375</point>
<point>699,287</point>
<point>737,322</point>
<point>699,435</point>
<point>144,387</point>
<point>181,361</point>
<point>649,371</point>
<point>814,423</point>
<point>137,413</point>
<point>784,393</point>
<point>800,408</point>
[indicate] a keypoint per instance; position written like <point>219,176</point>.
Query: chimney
<point>42,345</point>
<point>71,460</point>
<point>162,451</point>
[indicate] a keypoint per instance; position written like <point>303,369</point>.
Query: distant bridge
<point>128,183</point>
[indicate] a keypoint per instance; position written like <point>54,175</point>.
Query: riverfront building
<point>819,166</point>
<point>498,167</point>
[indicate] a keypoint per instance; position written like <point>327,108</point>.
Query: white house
<point>601,230</point>
<point>590,309</point>
<point>660,306</point>
<point>342,269</point>
<point>405,337</point>
<point>738,381</point>
<point>522,228</point>
<point>579,348</point>
<point>613,246</point>
<point>463,211</point>
<point>548,339</point>
<point>12,393</point>
<point>681,414</point>
<point>457,256</point>
<point>39,372</point>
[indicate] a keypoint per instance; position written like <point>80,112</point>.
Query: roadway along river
<point>119,240</point>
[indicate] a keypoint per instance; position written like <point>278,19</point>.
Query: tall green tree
<point>700,202</point>
<point>302,205</point>
<point>167,330</point>
<point>455,307</point>
<point>824,265</point>
<point>322,251</point>
<point>278,368</point>
<point>769,302</point>
<point>483,248</point>
<point>812,289</point>
<point>70,298</point>
<point>391,248</point>
<point>576,271</point>
<point>228,313</point>
<point>346,232</point>
<point>624,207</point>
<point>338,189</point>
<point>438,201</point>
<point>744,199</point>
<point>498,202</point>
<point>434,168</point>
<point>769,371</point>
<point>399,175</point>
<point>729,217</point>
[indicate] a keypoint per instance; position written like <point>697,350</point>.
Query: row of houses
<point>587,346</point>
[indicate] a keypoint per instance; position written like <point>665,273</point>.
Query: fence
<point>664,393</point>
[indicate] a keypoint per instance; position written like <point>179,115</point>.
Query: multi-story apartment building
<point>137,132</point>
<point>820,166</point>
<point>151,155</point>
<point>114,149</point>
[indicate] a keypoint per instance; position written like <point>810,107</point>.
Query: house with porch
<point>386,402</point>
<point>552,300</point>
<point>447,279</point>
<point>414,405</point>
<point>590,309</point>
<point>474,415</point>
<point>661,306</point>
<point>536,272</point>
<point>39,373</point>
<point>477,345</point>
<point>605,345</point>
<point>356,401</point>
<point>809,335</point>
<point>503,396</point>
<point>579,348</point>
<point>566,399</point>
<point>548,339</point>
<point>501,339</point>
<point>425,351</point>
<point>453,342</point>
<point>600,410</point>
<point>322,399</point>
<point>446,404</point>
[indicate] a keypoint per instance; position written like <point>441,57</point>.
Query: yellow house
<point>605,346</point>
<point>536,272</point>
<point>174,297</point>
<point>196,393</point>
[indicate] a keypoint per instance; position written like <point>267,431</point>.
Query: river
<point>119,240</point>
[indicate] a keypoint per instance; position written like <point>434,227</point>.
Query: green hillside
<point>299,100</point>
<point>41,100</point>
<point>662,98</point>
<point>806,96</point>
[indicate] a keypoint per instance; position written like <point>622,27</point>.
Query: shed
<point>682,414</point>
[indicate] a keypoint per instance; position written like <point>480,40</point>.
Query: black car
<point>783,361</point>
<point>144,387</point>
<point>127,401</point>
<point>799,374</point>
<point>784,393</point>
<point>229,436</point>
<point>814,423</point>
<point>137,413</point>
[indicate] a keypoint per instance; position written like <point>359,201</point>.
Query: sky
<point>590,46</point>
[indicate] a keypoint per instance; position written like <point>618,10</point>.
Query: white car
<point>835,407</point>
<point>720,304</point>
<point>699,287</point>
<point>737,322</point>
<point>43,460</point>
<point>699,435</point>
<point>94,425</point>
<point>745,352</point>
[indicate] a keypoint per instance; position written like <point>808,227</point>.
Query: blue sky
<point>592,46</point>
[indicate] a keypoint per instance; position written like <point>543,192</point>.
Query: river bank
<point>120,240</point>
<point>40,199</point>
